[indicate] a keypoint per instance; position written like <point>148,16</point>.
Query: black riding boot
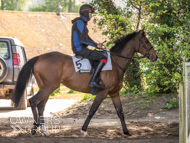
<point>93,82</point>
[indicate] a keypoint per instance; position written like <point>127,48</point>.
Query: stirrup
<point>96,85</point>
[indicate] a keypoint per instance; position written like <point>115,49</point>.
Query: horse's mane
<point>119,43</point>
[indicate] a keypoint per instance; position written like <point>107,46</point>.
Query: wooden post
<point>184,105</point>
<point>182,114</point>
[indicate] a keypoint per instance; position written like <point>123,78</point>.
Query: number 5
<point>78,64</point>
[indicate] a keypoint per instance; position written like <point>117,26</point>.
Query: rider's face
<point>90,15</point>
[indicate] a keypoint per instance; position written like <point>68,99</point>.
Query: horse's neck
<point>128,51</point>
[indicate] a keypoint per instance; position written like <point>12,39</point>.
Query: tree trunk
<point>69,8</point>
<point>2,5</point>
<point>17,5</point>
<point>73,6</point>
<point>139,17</point>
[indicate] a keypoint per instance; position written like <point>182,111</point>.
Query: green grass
<point>132,103</point>
<point>88,97</point>
<point>55,92</point>
<point>145,106</point>
<point>64,92</point>
<point>123,92</point>
<point>174,103</point>
<point>71,91</point>
<point>142,101</point>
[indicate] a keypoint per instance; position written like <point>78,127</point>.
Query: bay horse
<point>53,68</point>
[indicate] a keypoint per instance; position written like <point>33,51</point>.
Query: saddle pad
<point>85,66</point>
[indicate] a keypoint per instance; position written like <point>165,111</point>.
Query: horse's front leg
<point>118,106</point>
<point>101,95</point>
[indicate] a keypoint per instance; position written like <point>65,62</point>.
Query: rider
<point>80,41</point>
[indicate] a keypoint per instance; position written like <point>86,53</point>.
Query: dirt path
<point>141,132</point>
<point>100,130</point>
<point>147,125</point>
<point>134,107</point>
<point>84,140</point>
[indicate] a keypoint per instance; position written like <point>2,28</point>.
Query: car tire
<point>3,69</point>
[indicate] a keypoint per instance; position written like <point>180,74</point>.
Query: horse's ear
<point>141,32</point>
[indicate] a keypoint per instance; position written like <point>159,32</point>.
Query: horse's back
<point>49,66</point>
<point>54,55</point>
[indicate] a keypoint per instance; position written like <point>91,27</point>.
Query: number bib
<point>84,64</point>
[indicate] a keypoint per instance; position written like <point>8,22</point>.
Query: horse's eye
<point>146,41</point>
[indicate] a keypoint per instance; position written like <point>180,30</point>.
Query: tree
<point>167,24</point>
<point>69,6</point>
<point>168,29</point>
<point>12,4</point>
<point>116,22</point>
<point>73,6</point>
<point>51,6</point>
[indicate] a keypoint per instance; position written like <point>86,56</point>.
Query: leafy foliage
<point>11,4</point>
<point>88,97</point>
<point>132,78</point>
<point>174,103</point>
<point>168,29</point>
<point>51,6</point>
<point>167,25</point>
<point>71,91</point>
<point>116,22</point>
<point>55,92</point>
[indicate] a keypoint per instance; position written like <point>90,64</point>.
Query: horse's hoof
<point>43,131</point>
<point>33,131</point>
<point>84,133</point>
<point>127,133</point>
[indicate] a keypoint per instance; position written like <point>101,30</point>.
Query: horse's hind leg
<point>118,106</point>
<point>98,100</point>
<point>34,101</point>
<point>41,107</point>
<point>33,104</point>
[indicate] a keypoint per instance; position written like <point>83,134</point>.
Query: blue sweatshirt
<point>80,38</point>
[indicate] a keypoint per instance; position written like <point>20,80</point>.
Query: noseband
<point>143,45</point>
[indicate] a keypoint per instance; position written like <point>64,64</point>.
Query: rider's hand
<point>100,46</point>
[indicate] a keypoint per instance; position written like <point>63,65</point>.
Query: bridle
<point>144,46</point>
<point>145,55</point>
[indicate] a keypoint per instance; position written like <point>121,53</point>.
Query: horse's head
<point>145,47</point>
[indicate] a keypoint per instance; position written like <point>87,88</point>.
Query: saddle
<point>82,64</point>
<point>94,65</point>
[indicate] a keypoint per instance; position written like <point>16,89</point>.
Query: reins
<point>144,46</point>
<point>117,63</point>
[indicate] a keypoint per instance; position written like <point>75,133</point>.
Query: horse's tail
<point>22,80</point>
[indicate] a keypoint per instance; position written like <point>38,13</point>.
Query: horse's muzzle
<point>156,58</point>
<point>153,58</point>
